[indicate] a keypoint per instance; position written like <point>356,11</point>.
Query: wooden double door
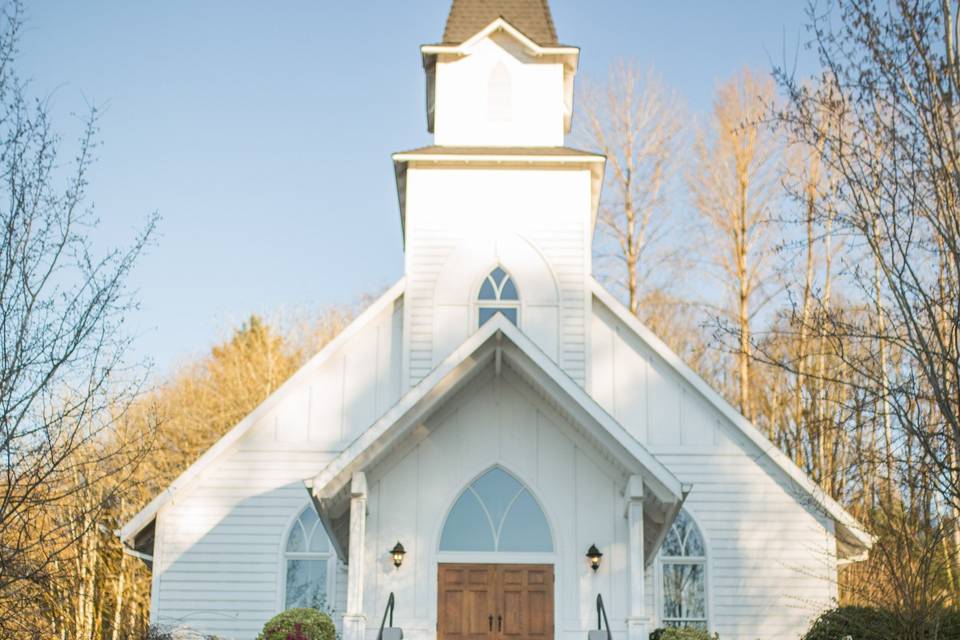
<point>495,602</point>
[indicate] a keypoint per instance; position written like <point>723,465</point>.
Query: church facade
<point>496,441</point>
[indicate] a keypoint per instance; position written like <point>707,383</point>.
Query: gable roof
<point>146,515</point>
<point>853,540</point>
<point>498,342</point>
<point>532,17</point>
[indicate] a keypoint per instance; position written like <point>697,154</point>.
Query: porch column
<point>354,620</point>
<point>637,622</point>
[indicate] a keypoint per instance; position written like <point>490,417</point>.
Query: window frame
<point>703,561</point>
<point>479,304</point>
<point>333,562</point>
<point>500,557</point>
<point>500,96</point>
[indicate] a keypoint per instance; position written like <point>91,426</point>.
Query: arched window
<point>683,564</point>
<point>499,94</point>
<point>496,513</point>
<point>307,559</point>
<point>498,294</point>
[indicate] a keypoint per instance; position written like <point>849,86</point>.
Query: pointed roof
<point>532,17</point>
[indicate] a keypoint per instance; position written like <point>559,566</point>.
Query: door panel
<point>495,602</point>
<point>466,600</point>
<point>526,601</point>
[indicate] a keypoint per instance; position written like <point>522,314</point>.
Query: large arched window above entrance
<point>496,513</point>
<point>498,294</point>
<point>683,567</point>
<point>308,563</point>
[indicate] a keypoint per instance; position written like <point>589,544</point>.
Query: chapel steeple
<point>499,78</point>
<point>531,17</point>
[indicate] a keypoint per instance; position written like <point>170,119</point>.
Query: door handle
<point>499,623</point>
<point>490,621</point>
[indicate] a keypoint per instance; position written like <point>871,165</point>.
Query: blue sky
<point>262,131</point>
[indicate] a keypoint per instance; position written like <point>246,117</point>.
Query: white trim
<point>770,450</point>
<point>498,24</point>
<point>499,158</point>
<point>155,571</point>
<point>143,518</point>
<point>496,557</point>
<point>449,374</point>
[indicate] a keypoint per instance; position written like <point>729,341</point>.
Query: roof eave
<point>146,515</point>
<point>854,536</point>
<point>570,54</point>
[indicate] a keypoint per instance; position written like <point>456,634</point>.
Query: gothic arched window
<point>683,565</point>
<point>496,513</point>
<point>307,563</point>
<point>498,294</point>
<point>499,94</point>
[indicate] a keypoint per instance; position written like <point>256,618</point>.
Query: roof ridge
<point>531,17</point>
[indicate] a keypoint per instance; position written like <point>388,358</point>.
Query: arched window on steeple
<point>498,294</point>
<point>499,94</point>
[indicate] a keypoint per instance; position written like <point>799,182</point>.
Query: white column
<point>637,622</point>
<point>354,620</point>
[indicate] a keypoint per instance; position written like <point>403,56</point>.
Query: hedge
<point>299,624</point>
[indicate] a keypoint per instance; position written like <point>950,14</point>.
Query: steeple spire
<point>532,17</point>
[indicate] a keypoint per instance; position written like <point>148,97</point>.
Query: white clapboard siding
<point>531,91</point>
<point>218,552</point>
<point>771,565</point>
<point>533,221</point>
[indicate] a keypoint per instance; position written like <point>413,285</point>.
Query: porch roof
<point>497,343</point>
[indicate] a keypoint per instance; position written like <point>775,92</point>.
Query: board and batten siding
<point>771,563</point>
<point>461,223</point>
<point>496,421</point>
<point>218,556</point>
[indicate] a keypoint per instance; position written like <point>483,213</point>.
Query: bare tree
<point>885,114</point>
<point>891,78</point>
<point>734,181</point>
<point>63,380</point>
<point>635,121</point>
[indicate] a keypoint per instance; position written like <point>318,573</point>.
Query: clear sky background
<point>262,131</point>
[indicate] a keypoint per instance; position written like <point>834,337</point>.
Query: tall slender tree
<point>635,121</point>
<point>734,181</point>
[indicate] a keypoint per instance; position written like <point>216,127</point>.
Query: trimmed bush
<point>299,624</point>
<point>862,623</point>
<point>676,633</point>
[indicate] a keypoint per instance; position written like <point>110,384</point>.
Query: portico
<point>500,462</point>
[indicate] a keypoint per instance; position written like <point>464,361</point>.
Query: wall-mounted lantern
<point>398,552</point>
<point>594,555</point>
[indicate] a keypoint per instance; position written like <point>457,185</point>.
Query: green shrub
<point>861,623</point>
<point>299,624</point>
<point>675,633</point>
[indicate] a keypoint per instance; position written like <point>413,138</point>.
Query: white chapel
<point>496,441</point>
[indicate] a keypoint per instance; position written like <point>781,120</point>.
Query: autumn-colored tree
<point>635,122</point>
<point>735,182</point>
